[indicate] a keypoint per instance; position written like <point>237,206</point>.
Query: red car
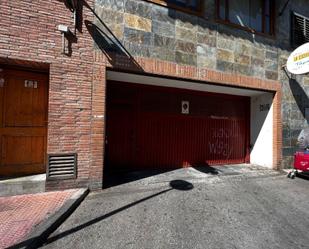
<point>301,163</point>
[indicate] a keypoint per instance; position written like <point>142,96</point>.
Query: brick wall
<point>29,36</point>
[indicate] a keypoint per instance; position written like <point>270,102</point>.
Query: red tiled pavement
<point>20,214</point>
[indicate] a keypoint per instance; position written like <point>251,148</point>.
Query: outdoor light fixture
<point>72,5</point>
<point>65,30</point>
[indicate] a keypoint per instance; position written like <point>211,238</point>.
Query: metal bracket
<point>290,76</point>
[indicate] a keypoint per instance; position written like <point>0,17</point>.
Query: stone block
<point>257,62</point>
<point>225,55</point>
<point>207,39</point>
<point>139,8</point>
<point>205,61</point>
<point>163,29</point>
<point>108,16</point>
<point>289,151</point>
<point>136,22</point>
<point>137,36</point>
<point>287,162</point>
<point>258,53</point>
<point>163,14</point>
<point>206,51</point>
<point>224,66</point>
<point>117,5</point>
<point>271,75</point>
<point>242,59</point>
<point>186,21</point>
<point>271,55</point>
<point>164,42</point>
<point>186,34</point>
<point>206,27</point>
<point>243,49</point>
<point>187,47</point>
<point>163,53</point>
<point>242,69</point>
<point>227,44</point>
<point>306,81</point>
<point>137,49</point>
<point>271,65</point>
<point>184,58</point>
<point>258,72</point>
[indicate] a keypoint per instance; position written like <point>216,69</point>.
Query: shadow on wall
<point>300,96</point>
<point>103,37</point>
<point>106,41</point>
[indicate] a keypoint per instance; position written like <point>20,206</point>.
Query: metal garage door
<point>148,127</point>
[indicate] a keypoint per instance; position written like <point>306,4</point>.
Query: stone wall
<point>144,29</point>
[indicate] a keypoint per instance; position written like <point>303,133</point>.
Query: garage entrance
<point>23,122</point>
<point>152,127</point>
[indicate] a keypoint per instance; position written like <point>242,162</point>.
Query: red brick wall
<point>28,32</point>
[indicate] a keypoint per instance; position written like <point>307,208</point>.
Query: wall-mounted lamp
<point>65,31</point>
<point>72,5</point>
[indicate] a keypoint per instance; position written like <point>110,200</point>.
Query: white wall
<point>262,130</point>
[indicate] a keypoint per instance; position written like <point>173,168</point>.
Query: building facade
<point>143,84</point>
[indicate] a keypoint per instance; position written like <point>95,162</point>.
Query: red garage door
<point>148,128</point>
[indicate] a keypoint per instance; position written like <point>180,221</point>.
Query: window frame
<point>198,12</point>
<point>235,25</point>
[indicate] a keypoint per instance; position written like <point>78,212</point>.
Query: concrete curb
<point>43,230</point>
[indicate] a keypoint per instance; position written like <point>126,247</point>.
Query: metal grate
<point>62,166</point>
<point>300,30</point>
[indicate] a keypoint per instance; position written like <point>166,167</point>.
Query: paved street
<point>240,207</point>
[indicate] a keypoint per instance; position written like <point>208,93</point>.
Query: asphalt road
<point>247,210</point>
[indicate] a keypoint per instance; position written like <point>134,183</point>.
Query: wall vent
<point>300,30</point>
<point>62,166</point>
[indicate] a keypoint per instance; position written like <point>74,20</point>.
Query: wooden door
<point>23,122</point>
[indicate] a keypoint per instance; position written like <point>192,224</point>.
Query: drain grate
<point>62,166</point>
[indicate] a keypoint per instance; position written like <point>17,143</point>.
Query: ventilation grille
<point>300,30</point>
<point>62,166</point>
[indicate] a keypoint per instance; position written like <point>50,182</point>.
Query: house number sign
<point>31,84</point>
<point>185,105</point>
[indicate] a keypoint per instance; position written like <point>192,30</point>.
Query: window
<point>300,30</point>
<point>191,6</point>
<point>254,15</point>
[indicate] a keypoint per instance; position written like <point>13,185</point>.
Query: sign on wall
<point>185,107</point>
<point>298,61</point>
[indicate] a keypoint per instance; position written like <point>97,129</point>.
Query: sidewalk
<point>23,215</point>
